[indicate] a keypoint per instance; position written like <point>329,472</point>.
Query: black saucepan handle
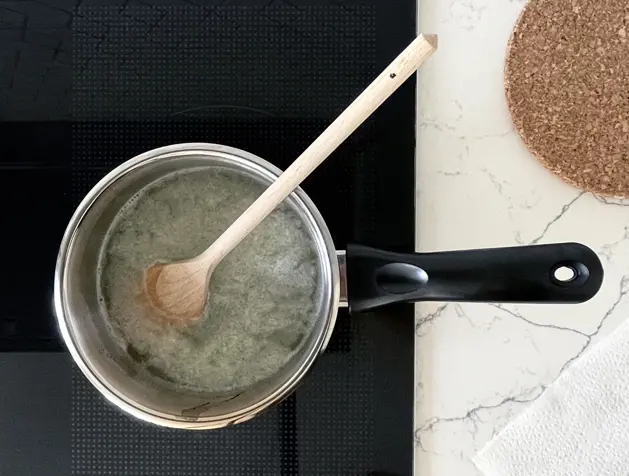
<point>526,274</point>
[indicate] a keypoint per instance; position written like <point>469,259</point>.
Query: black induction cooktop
<point>87,84</point>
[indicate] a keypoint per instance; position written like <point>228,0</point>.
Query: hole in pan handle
<point>554,273</point>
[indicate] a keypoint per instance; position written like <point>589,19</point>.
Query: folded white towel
<point>578,427</point>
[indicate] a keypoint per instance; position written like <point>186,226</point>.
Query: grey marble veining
<point>479,365</point>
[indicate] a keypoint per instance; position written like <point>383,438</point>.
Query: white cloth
<point>578,427</point>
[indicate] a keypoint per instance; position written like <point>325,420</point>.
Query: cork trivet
<point>567,87</point>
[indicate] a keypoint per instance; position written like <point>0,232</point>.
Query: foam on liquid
<point>262,296</point>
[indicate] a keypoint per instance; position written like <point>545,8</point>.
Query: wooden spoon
<point>179,290</point>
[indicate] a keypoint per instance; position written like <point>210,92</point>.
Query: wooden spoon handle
<point>347,122</point>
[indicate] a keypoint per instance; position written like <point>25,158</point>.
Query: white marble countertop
<point>479,365</point>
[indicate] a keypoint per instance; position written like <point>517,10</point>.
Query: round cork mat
<point>567,87</point>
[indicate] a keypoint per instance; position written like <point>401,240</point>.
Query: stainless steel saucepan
<point>361,277</point>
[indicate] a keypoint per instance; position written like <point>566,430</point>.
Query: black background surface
<point>87,85</point>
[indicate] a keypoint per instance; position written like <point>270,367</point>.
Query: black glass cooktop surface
<point>87,84</point>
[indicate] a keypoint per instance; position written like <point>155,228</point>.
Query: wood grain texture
<point>330,139</point>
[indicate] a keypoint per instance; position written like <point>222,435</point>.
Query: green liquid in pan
<point>263,295</point>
